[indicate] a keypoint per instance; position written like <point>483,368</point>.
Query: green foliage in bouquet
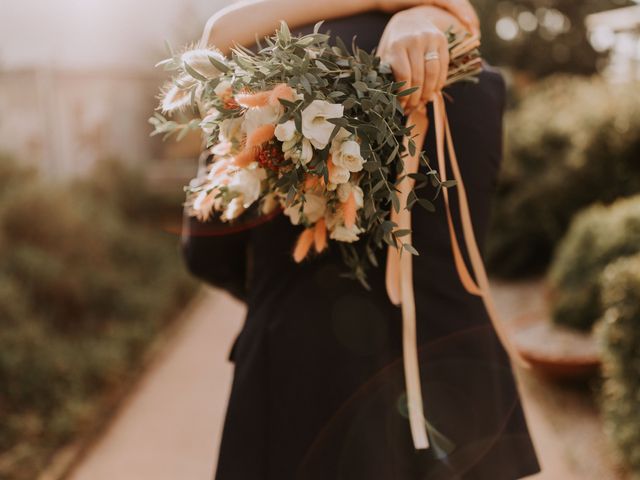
<point>85,286</point>
<point>619,336</point>
<point>598,236</point>
<point>338,147</point>
<point>571,142</point>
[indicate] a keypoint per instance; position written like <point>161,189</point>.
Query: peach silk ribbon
<point>399,273</point>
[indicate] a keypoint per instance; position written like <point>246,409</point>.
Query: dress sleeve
<point>219,260</point>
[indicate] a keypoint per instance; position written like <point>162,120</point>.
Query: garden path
<point>170,427</point>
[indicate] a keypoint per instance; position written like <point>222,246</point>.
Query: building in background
<point>77,79</point>
<point>618,33</point>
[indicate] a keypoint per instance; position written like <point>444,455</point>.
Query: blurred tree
<point>541,37</point>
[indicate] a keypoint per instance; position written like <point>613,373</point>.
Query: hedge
<point>597,236</point>
<point>619,336</point>
<point>571,142</point>
<point>85,286</point>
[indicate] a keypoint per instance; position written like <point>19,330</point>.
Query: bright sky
<point>97,33</point>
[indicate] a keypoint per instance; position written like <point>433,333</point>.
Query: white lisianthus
<point>233,210</point>
<point>259,116</point>
<point>313,209</point>
<point>198,60</point>
<point>222,88</point>
<point>286,131</point>
<point>231,130</point>
<point>345,190</point>
<point>343,234</point>
<point>349,156</point>
<point>248,183</point>
<point>315,126</point>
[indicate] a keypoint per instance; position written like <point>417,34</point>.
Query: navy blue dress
<point>318,387</point>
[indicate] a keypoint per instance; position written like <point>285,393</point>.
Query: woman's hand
<point>461,9</point>
<point>415,47</point>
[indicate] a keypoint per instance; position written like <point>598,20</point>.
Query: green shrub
<point>619,335</point>
<point>598,236</point>
<point>85,286</point>
<point>571,142</point>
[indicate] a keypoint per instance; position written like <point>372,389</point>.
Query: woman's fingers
<point>461,9</point>
<point>436,62</point>
<point>416,57</point>
<point>431,77</point>
<point>443,51</point>
<point>401,67</point>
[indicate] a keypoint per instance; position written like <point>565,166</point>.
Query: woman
<point>318,391</point>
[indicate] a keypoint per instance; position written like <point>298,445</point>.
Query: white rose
<point>233,210</point>
<point>349,156</point>
<point>338,174</point>
<point>248,183</point>
<point>345,190</point>
<point>285,131</point>
<point>230,130</point>
<point>222,88</point>
<point>198,60</point>
<point>313,209</point>
<point>314,121</point>
<point>257,117</point>
<point>344,234</point>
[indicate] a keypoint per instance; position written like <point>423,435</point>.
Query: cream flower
<point>248,183</point>
<point>344,234</point>
<point>177,95</point>
<point>233,210</point>
<point>207,122</point>
<point>198,60</point>
<point>342,135</point>
<point>345,190</point>
<point>286,131</point>
<point>349,156</point>
<point>203,205</point>
<point>306,152</point>
<point>231,130</point>
<point>259,116</point>
<point>298,152</point>
<point>338,174</point>
<point>315,126</point>
<point>313,209</point>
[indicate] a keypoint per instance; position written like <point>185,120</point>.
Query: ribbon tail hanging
<point>399,281</point>
<point>399,269</point>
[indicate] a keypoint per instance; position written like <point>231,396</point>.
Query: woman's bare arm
<point>243,21</point>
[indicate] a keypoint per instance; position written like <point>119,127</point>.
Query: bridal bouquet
<point>310,128</point>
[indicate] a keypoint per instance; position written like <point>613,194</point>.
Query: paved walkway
<point>170,427</point>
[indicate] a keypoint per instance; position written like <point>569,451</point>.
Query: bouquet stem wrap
<point>399,273</point>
